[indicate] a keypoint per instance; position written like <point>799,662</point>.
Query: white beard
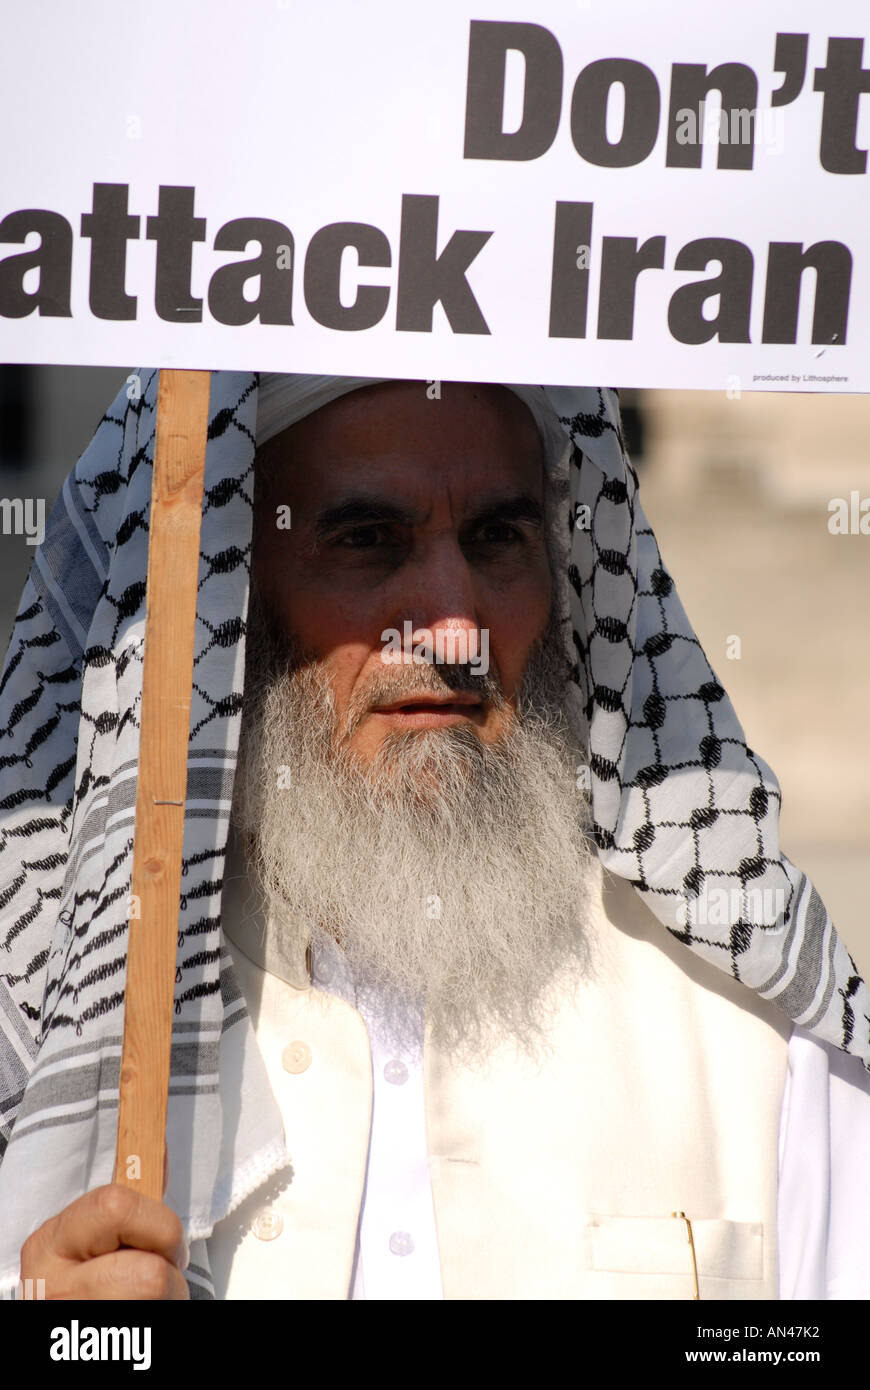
<point>454,875</point>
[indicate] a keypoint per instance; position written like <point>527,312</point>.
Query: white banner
<point>669,195</point>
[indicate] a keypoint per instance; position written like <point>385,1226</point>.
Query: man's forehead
<point>475,440</point>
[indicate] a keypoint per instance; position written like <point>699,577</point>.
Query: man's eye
<point>499,533</point>
<point>361,537</point>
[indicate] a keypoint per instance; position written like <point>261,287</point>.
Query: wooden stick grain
<point>173,569</point>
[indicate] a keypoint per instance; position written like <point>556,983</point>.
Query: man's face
<point>408,509</point>
<point>427,817</point>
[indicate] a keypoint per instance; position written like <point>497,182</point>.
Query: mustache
<point>397,682</point>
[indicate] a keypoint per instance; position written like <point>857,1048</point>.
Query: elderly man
<point>497,1075</point>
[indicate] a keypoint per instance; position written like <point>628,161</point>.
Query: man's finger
<point>124,1274</point>
<point>110,1217</point>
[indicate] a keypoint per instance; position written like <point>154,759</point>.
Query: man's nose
<point>441,596</point>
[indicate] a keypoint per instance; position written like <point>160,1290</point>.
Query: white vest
<point>661,1094</point>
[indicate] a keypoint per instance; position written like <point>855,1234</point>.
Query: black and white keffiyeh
<point>681,807</point>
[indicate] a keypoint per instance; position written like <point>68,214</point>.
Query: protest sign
<point>653,196</point>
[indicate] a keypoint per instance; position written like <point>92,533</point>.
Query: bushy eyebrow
<point>518,508</point>
<point>361,511</point>
<point>367,510</point>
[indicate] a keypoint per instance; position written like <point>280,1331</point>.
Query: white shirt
<point>397,1242</point>
<point>823,1195</point>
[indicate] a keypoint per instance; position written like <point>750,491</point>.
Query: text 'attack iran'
<point>39,280</point>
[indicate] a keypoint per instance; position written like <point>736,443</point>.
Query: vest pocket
<point>660,1245</point>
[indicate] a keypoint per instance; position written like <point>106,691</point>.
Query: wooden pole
<point>173,569</point>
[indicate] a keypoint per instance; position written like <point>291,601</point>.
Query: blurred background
<point>738,493</point>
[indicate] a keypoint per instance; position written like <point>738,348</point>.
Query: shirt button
<point>267,1224</point>
<point>401,1243</point>
<point>296,1057</point>
<point>396,1072</point>
<point>323,970</point>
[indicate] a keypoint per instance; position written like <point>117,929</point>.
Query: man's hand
<point>112,1243</point>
